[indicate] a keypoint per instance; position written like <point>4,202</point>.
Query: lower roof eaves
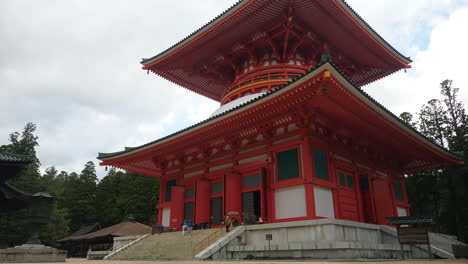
<point>451,158</point>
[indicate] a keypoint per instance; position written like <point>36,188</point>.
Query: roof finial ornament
<point>326,57</point>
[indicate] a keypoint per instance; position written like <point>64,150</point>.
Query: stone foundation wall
<point>316,239</point>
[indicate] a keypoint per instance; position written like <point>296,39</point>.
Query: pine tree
<point>443,192</point>
<point>457,138</point>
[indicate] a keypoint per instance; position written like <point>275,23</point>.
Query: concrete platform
<point>32,253</point>
<point>321,239</point>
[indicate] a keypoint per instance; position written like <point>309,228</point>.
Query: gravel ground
<point>84,261</point>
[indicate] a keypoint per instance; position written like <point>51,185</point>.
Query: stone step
<point>172,245</point>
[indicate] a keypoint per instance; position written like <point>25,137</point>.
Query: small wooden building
<point>103,239</point>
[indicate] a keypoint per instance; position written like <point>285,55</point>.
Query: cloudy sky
<point>72,67</point>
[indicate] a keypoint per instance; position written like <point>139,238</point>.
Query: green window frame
<point>398,191</point>
<point>320,164</point>
<point>350,181</point>
<point>169,185</point>
<point>288,164</point>
<point>189,193</point>
<point>251,181</point>
<point>342,179</point>
<point>217,187</point>
<point>364,183</point>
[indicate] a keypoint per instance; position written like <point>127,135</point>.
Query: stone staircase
<point>165,246</point>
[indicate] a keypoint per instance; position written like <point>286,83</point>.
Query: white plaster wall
<point>290,202</point>
<point>401,211</point>
<point>166,216</point>
<point>324,202</point>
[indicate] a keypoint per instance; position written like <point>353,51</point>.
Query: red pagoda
<point>295,137</point>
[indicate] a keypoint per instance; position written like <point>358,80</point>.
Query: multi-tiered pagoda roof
<point>287,57</point>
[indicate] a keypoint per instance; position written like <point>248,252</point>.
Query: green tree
<point>57,228</point>
<point>443,192</point>
<point>408,119</point>
<point>433,122</point>
<point>457,138</point>
<point>79,196</point>
<point>120,194</point>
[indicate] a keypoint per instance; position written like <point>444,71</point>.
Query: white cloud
<point>444,58</point>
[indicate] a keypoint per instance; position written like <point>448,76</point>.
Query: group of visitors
<point>227,222</point>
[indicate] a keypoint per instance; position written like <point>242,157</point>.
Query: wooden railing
<point>207,241</point>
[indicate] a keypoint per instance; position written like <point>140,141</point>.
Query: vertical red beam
<point>159,216</point>
<point>391,187</point>
<point>162,193</point>
<point>307,164</point>
<point>270,192</point>
<point>202,203</point>
<point>371,180</point>
<point>233,194</point>
<point>357,184</point>
<point>333,176</point>
<point>177,206</point>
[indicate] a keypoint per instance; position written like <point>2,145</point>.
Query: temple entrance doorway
<point>216,211</point>
<point>367,207</point>
<point>347,196</point>
<point>252,197</point>
<point>188,211</point>
<point>251,206</point>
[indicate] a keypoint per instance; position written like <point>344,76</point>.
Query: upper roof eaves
<point>226,13</point>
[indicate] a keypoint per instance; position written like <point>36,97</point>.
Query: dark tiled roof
<point>408,220</point>
<point>84,230</point>
<point>127,228</point>
<point>16,158</point>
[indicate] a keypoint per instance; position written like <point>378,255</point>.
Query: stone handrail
<point>126,246</point>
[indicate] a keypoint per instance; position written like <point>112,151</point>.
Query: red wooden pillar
<point>333,176</point>
<point>270,213</point>
<point>202,201</point>
<point>159,215</point>
<point>177,206</point>
<point>233,194</point>
<point>372,197</point>
<point>307,163</point>
<point>161,200</point>
<point>357,184</point>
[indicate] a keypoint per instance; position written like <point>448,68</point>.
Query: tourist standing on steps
<point>189,228</point>
<point>185,226</point>
<point>227,222</point>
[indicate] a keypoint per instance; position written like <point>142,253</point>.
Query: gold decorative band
<point>255,83</point>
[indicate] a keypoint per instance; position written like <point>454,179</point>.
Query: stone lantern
<point>38,215</point>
